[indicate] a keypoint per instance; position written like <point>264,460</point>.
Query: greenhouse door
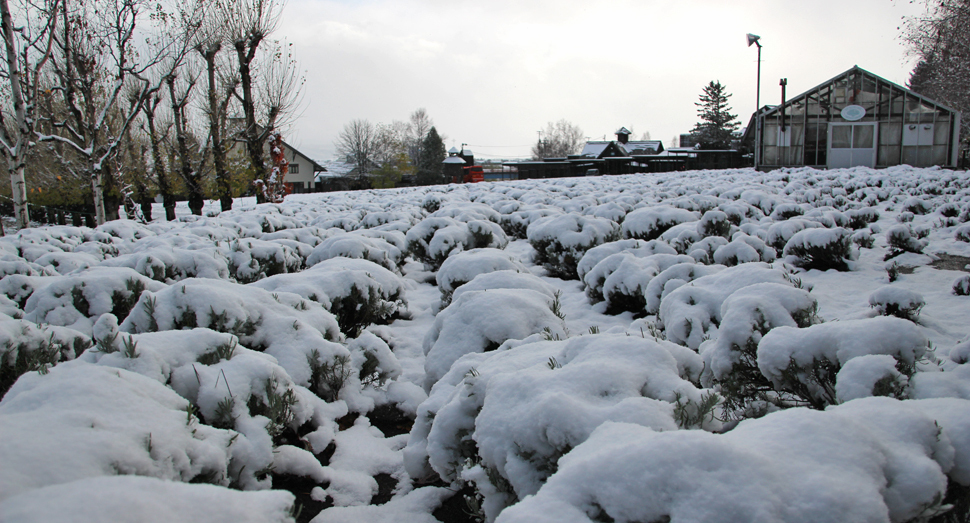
<point>852,144</point>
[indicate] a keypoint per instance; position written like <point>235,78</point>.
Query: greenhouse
<point>856,118</point>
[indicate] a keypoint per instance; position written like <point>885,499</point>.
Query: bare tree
<point>248,23</point>
<point>559,140</point>
<point>940,40</point>
<point>418,127</point>
<point>27,49</point>
<point>97,56</point>
<point>356,143</point>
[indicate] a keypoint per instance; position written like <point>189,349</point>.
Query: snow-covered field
<point>712,346</point>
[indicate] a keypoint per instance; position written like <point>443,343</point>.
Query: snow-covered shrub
<point>715,223</point>
<point>805,362</point>
<point>779,233</point>
<point>690,313</point>
<point>820,249</point>
<point>961,286</point>
<point>517,223</point>
<point>673,278</point>
<point>731,358</point>
<point>168,265</point>
<point>870,375</point>
<point>786,211</point>
<point>357,292</point>
<point>77,300</point>
<point>481,321</point>
<point>593,256</point>
<point>283,324</point>
<point>561,241</point>
<point>896,301</point>
<point>80,421</point>
<point>251,259</point>
<point>506,279</point>
<point>859,218</point>
<point>66,262</point>
<point>14,265</point>
<point>863,239</point>
<point>27,347</point>
<point>917,205</point>
<point>649,223</point>
<point>357,246</point>
<point>627,472</point>
<point>503,420</point>
<point>465,266</point>
<point>962,233</point>
<point>433,239</point>
<point>703,251</point>
<point>737,252</point>
<point>622,278</point>
<point>901,239</point>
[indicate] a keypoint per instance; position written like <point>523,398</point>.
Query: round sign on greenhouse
<point>853,113</point>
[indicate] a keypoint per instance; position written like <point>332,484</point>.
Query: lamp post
<point>754,39</point>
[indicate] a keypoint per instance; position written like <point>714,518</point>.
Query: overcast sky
<point>490,73</point>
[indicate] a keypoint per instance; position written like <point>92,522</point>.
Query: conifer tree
<point>717,126</point>
<point>433,153</point>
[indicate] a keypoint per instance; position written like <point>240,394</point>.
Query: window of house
<point>294,168</point>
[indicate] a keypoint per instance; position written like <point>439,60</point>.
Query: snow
<point>505,339</point>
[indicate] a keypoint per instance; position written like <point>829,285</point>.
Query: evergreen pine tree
<point>717,126</point>
<point>433,153</point>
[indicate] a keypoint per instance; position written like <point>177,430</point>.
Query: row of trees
<point>118,100</point>
<point>383,154</point>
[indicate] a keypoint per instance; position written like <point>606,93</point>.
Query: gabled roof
<point>846,74</point>
<point>769,110</point>
<point>598,149</point>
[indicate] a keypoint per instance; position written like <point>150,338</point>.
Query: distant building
<point>303,170</point>
<point>855,118</point>
<point>620,156</point>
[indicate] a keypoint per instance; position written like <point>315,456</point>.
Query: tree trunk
<point>215,132</point>
<point>97,192</point>
<point>254,142</point>
<point>15,157</point>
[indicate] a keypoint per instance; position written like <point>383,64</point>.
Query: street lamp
<point>754,39</point>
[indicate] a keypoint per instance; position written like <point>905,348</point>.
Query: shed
<point>855,118</point>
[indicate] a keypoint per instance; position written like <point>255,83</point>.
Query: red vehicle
<point>472,174</point>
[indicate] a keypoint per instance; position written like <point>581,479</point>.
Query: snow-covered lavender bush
<point>649,223</point>
<point>284,325</point>
<point>715,223</point>
<point>561,241</point>
<point>516,224</point>
<point>356,291</point>
<point>961,286</point>
<point>860,218</point>
<point>622,278</point>
<point>168,265</point>
<point>962,233</point>
<point>639,247</point>
<point>481,321</point>
<point>251,259</point>
<point>28,347</point>
<point>780,232</point>
<point>463,267</point>
<point>896,301</point>
<point>471,427</point>
<point>691,313</point>
<point>900,239</point>
<point>357,246</point>
<point>820,249</point>
<point>731,357</point>
<point>77,300</point>
<point>627,472</point>
<point>806,362</point>
<point>433,239</point>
